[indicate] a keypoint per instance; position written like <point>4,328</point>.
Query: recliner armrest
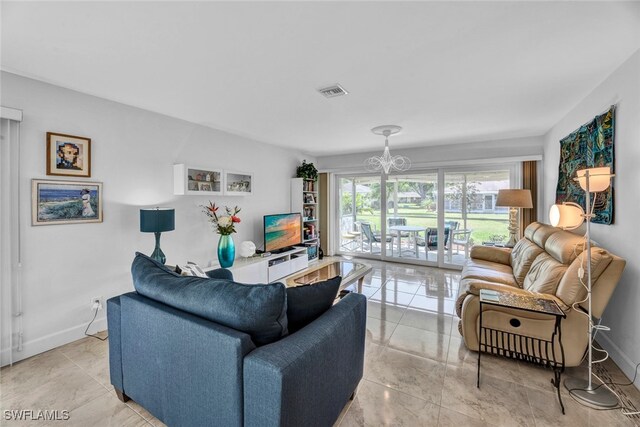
<point>491,253</point>
<point>307,377</point>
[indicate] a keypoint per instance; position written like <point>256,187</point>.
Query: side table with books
<point>539,351</point>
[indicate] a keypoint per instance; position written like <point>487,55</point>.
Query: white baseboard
<point>51,341</point>
<point>624,362</point>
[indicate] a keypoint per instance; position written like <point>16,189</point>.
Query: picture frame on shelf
<point>65,202</point>
<point>204,186</point>
<point>68,155</point>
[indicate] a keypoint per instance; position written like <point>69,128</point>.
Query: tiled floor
<point>417,371</point>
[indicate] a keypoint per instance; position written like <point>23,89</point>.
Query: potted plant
<point>307,171</point>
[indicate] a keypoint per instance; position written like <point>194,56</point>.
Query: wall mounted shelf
<point>238,184</point>
<point>197,180</point>
<point>207,181</point>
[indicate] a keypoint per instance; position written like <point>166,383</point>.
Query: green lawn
<point>484,226</point>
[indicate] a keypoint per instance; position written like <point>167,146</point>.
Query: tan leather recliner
<point>544,263</point>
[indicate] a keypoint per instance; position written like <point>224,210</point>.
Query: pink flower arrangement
<point>223,225</point>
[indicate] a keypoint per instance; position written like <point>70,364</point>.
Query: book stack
<point>309,231</point>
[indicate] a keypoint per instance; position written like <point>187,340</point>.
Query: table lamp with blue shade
<point>157,220</point>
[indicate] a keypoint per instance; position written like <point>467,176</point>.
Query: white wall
<point>623,313</point>
<point>444,155</point>
<point>133,151</point>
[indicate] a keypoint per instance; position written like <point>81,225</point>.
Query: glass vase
<point>226,251</point>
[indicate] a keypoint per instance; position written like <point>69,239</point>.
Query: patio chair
<point>357,231</point>
<point>398,221</point>
<point>349,242</point>
<point>370,236</point>
<point>462,239</point>
<point>452,225</point>
<point>430,241</point>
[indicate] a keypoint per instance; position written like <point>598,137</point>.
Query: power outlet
<point>96,303</point>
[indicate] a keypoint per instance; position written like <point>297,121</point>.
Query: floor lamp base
<point>599,398</point>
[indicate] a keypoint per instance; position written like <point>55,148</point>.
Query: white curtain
<point>10,223</point>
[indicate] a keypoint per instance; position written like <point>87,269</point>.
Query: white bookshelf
<point>304,199</point>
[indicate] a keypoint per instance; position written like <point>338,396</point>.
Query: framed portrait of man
<point>68,155</point>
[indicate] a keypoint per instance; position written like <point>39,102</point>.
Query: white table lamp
<point>514,199</point>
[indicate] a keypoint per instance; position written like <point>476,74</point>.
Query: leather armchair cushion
<point>542,233</point>
<point>531,229</point>
<point>570,290</point>
<point>489,271</point>
<point>490,253</point>
<point>564,246</point>
<point>544,275</point>
<point>522,256</point>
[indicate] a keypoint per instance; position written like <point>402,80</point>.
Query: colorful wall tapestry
<point>589,146</point>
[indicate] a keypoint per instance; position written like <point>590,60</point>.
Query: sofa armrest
<point>115,344</point>
<point>220,273</point>
<point>475,287</point>
<point>307,377</point>
<point>491,253</point>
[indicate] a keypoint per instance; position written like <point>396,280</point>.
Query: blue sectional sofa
<point>241,369</point>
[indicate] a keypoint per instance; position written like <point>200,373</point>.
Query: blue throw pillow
<point>258,310</point>
<point>306,303</point>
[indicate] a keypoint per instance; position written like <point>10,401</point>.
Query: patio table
<point>412,229</point>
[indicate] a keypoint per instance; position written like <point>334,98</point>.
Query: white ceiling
<point>446,72</point>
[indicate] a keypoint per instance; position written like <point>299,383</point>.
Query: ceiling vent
<point>333,91</point>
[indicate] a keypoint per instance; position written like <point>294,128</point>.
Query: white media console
<point>268,269</point>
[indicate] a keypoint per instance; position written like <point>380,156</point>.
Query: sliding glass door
<point>359,202</point>
<point>411,216</point>
<point>470,211</point>
<point>429,217</point>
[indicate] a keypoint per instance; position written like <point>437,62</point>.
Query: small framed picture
<point>65,202</point>
<point>205,186</point>
<point>68,155</point>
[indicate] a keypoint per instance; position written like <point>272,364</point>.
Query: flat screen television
<point>282,231</point>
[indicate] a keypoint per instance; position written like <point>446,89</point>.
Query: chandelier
<point>387,162</point>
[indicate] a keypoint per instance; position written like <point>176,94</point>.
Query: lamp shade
<point>514,198</point>
<point>566,216</point>
<point>599,179</point>
<point>157,220</point>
